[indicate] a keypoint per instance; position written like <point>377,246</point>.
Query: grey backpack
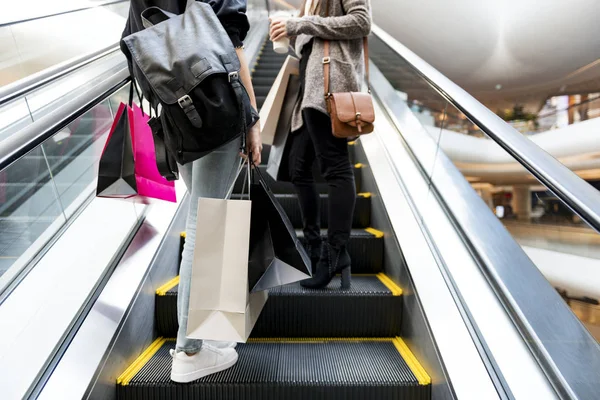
<point>187,64</point>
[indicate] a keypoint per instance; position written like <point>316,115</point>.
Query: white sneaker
<point>220,345</point>
<point>207,361</point>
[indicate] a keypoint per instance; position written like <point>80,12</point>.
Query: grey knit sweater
<point>348,22</point>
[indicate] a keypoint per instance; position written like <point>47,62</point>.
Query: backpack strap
<point>232,69</point>
<point>167,166</point>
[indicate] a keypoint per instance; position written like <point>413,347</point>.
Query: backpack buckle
<point>185,101</point>
<point>233,76</point>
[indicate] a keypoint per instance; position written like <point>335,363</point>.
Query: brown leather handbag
<point>352,113</point>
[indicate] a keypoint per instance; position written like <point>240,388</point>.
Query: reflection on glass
<point>29,209</point>
<point>417,97</point>
<point>44,188</point>
<point>14,116</point>
<point>73,155</point>
<point>564,248</point>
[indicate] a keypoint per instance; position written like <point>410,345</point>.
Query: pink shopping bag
<point>150,182</point>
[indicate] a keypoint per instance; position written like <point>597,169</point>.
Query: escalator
<point>444,303</point>
<point>307,344</point>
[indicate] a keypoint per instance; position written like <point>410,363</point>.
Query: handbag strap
<point>327,59</point>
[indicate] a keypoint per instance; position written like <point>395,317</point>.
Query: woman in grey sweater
<point>344,23</point>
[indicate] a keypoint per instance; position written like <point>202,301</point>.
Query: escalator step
<point>260,100</point>
<point>351,151</point>
<point>288,188</point>
<point>268,73</point>
<point>365,248</point>
<point>261,90</point>
<point>326,369</point>
<point>362,210</point>
<point>270,64</point>
<point>262,81</point>
<point>371,308</point>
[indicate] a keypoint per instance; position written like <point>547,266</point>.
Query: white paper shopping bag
<point>271,109</point>
<point>221,307</point>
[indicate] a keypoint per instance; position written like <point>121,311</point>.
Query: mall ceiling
<point>502,51</point>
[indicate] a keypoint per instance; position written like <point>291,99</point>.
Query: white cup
<point>281,46</point>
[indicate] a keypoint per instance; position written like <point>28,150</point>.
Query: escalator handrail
<point>106,3</point>
<point>26,85</point>
<point>19,144</point>
<point>575,192</point>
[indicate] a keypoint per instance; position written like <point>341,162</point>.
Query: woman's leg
<point>334,161</point>
<point>302,159</point>
<point>332,154</point>
<point>211,176</point>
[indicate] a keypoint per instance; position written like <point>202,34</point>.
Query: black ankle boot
<point>313,249</point>
<point>333,261</point>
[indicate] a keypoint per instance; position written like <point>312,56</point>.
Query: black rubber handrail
<point>22,142</point>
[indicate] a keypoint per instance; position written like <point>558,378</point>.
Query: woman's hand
<point>278,29</point>
<point>254,144</point>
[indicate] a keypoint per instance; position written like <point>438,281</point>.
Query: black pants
<point>316,142</point>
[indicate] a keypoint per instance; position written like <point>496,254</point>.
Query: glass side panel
<point>424,103</point>
<point>40,191</point>
<point>561,245</point>
<point>30,213</point>
<point>73,155</point>
<point>564,248</point>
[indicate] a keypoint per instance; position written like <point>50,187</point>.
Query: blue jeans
<point>212,177</point>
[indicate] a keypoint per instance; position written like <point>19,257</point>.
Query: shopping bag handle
<point>132,87</point>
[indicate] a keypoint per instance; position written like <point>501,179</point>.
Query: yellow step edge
<point>377,233</point>
<point>366,195</point>
<point>162,290</point>
<point>139,363</point>
<point>317,340</point>
<point>390,284</point>
<point>412,362</point>
<point>359,165</point>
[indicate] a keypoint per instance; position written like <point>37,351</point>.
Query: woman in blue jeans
<point>211,176</point>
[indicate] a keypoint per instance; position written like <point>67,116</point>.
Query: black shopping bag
<point>278,165</point>
<point>116,171</point>
<point>276,255</point>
